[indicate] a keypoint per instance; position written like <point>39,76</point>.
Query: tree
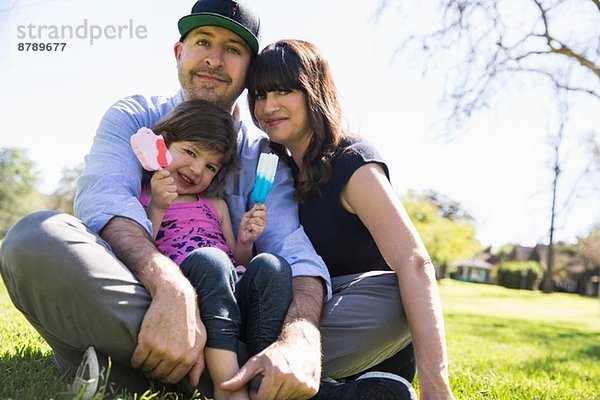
<point>62,197</point>
<point>18,195</point>
<point>446,239</point>
<point>492,41</point>
<point>449,209</point>
<point>588,248</point>
<point>484,46</point>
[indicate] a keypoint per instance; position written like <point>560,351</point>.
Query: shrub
<point>519,274</point>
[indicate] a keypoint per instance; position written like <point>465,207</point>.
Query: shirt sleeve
<point>354,156</point>
<point>286,236</point>
<point>111,182</point>
<point>283,236</point>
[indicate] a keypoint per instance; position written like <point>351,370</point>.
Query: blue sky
<point>497,165</point>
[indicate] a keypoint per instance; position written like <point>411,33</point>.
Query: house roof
<point>473,263</point>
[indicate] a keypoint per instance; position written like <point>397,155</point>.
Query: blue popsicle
<point>265,175</point>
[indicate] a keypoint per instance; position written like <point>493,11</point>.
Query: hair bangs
<point>278,69</point>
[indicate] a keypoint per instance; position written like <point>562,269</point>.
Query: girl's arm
<point>241,253</point>
<point>155,215</point>
<point>252,225</point>
<point>223,212</point>
<point>163,192</point>
<point>371,197</point>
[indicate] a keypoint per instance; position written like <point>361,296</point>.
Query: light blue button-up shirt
<point>111,184</point>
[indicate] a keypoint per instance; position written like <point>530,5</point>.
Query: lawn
<point>516,344</point>
<point>503,344</point>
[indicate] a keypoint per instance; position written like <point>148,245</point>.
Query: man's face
<point>212,63</point>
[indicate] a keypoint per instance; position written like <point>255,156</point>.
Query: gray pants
<point>70,286</point>
<point>363,323</point>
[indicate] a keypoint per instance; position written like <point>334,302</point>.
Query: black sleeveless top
<point>339,237</point>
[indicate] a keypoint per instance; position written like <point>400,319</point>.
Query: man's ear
<point>177,49</point>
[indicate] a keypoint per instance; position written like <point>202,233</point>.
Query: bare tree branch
<point>483,45</point>
<point>565,50</point>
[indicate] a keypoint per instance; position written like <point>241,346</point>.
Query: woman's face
<point>283,115</point>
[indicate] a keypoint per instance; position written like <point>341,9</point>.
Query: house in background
<point>569,273</point>
<point>589,282</point>
<point>473,270</point>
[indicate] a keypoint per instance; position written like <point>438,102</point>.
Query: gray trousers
<point>74,291</point>
<point>363,323</point>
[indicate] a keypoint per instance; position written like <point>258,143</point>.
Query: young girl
<point>192,226</point>
<point>202,141</point>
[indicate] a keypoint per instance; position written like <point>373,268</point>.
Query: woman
<point>355,221</point>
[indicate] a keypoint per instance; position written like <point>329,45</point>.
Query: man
<point>103,282</point>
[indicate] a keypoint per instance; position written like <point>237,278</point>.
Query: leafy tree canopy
<point>447,237</point>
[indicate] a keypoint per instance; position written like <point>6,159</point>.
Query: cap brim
<point>193,21</point>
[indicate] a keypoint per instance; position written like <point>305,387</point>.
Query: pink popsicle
<point>150,149</point>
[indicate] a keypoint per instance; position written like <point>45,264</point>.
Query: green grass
<point>26,367</point>
<point>512,344</point>
<point>503,344</point>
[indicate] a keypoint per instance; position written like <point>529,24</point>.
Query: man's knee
<point>30,236</point>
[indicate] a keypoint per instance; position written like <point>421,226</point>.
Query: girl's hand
<point>164,190</point>
<point>253,224</point>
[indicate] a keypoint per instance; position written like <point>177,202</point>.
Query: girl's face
<point>193,167</point>
<point>283,115</point>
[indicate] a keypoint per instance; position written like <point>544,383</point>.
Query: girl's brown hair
<point>208,126</point>
<point>296,64</point>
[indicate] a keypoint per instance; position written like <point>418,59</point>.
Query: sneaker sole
<point>394,377</point>
<point>85,388</point>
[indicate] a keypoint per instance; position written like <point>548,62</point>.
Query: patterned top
<point>188,226</point>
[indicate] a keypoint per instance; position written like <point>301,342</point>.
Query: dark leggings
<point>251,310</point>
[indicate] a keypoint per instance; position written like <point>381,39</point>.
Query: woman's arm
<point>371,197</point>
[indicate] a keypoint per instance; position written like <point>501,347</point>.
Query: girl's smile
<point>193,167</point>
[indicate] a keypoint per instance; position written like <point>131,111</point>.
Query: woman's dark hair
<point>296,64</point>
<point>206,125</point>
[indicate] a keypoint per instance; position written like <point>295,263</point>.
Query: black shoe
<point>369,386</point>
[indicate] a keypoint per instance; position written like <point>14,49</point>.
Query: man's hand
<point>290,367</point>
<point>172,337</point>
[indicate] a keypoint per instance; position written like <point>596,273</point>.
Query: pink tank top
<point>187,227</point>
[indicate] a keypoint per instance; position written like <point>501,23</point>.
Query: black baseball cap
<point>236,16</point>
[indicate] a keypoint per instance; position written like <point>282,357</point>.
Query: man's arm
<point>107,202</point>
<point>283,234</point>
<point>164,352</point>
<point>291,367</point>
